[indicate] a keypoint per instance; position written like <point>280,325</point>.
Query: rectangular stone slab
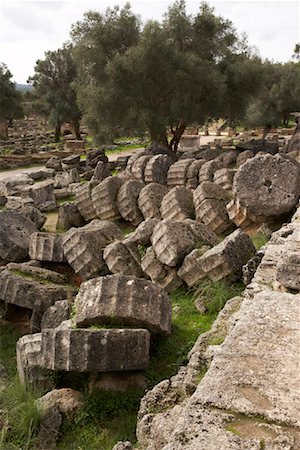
<point>92,350</point>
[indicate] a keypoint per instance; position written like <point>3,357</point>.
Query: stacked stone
<point>139,166</point>
<point>177,173</point>
<point>114,301</point>
<point>177,204</point>
<point>104,198</point>
<point>150,199</point>
<point>83,247</point>
<point>210,206</point>
<point>46,247</point>
<point>222,262</point>
<point>156,170</point>
<point>83,194</point>
<point>127,201</point>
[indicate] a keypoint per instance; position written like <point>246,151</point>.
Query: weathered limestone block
<point>83,194</point>
<point>288,271</point>
<point>62,180</point>
<point>209,190</point>
<point>142,234</point>
<point>189,271</point>
<point>172,241</point>
<point>46,247</point>
<point>177,173</point>
<point>90,350</point>
<point>133,158</point>
<point>267,185</point>
<point>189,142</point>
<point>36,293</point>
<point>203,234</point>
<point>54,163</point>
<point>101,172</point>
<point>124,258</point>
<point>127,201</point>
<point>177,204</point>
<point>213,213</point>
<point>83,247</point>
<point>15,185</point>
<point>238,214</point>
<point>222,262</point>
<point>104,198</point>
<point>192,174</point>
<point>224,178</point>
<point>157,169</point>
<point>33,214</point>
<point>228,158</point>
<point>208,169</point>
<point>41,174</point>
<point>42,194</point>
<point>56,314</point>
<point>139,166</point>
<point>150,199</point>
<point>123,300</point>
<point>15,231</point>
<point>29,360</point>
<point>69,216</point>
<point>159,273</point>
<point>95,155</point>
<point>243,157</point>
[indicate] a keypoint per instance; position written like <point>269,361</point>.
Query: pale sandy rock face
<point>178,173</point>
<point>104,198</point>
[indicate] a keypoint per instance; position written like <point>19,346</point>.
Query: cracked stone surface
<point>249,397</point>
<point>267,185</point>
<point>127,201</point>
<point>123,300</point>
<point>91,350</point>
<point>104,198</point>
<point>177,204</point>
<point>150,199</point>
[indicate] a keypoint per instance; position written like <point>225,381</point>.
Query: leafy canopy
<point>171,73</point>
<point>10,98</point>
<point>53,82</point>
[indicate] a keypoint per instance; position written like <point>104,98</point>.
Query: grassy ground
<point>107,416</point>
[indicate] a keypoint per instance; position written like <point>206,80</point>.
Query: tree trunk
<point>57,132</point>
<point>160,137</point>
<point>76,127</point>
<point>177,133</point>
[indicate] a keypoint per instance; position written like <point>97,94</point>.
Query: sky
<point>29,28</point>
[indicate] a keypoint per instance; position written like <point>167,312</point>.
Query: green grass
<point>19,416</point>
<point>106,418</point>
<point>216,293</point>
<point>68,198</point>
<point>259,240</point>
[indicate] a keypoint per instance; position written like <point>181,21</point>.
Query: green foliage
<point>10,98</point>
<point>259,240</point>
<point>20,416</point>
<point>216,293</point>
<point>186,69</point>
<point>52,81</point>
<point>170,353</point>
<point>278,96</point>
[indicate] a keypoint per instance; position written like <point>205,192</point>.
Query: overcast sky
<point>29,28</point>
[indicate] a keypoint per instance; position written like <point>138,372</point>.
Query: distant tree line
<point>119,75</point>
